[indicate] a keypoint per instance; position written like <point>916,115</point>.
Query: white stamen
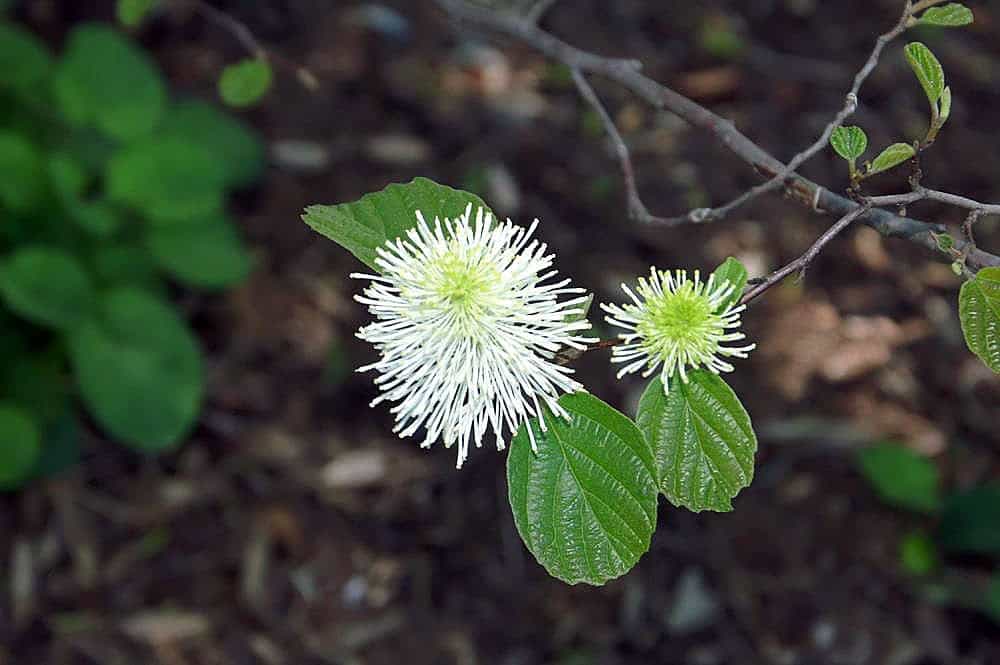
<point>674,325</point>
<point>467,331</point>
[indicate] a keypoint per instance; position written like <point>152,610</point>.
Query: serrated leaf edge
<point>976,331</point>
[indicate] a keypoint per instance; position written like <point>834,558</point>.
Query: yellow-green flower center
<point>682,321</point>
<point>461,284</point>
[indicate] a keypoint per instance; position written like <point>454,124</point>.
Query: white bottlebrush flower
<point>467,330</point>
<point>673,324</point>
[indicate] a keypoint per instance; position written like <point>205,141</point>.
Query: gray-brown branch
<point>801,264</point>
<point>636,208</point>
<point>850,106</point>
<point>628,74</point>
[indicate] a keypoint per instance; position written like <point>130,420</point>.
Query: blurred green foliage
<point>961,523</point>
<point>244,83</point>
<point>901,477</point>
<point>108,192</point>
<point>720,38</point>
<point>133,12</point>
<point>970,521</point>
<point>918,554</point>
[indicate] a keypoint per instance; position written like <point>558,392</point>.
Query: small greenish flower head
<point>675,324</point>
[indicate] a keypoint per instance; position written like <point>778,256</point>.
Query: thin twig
<point>246,38</point>
<point>921,193</point>
<point>636,208</point>
<point>801,264</point>
<point>627,73</point>
<point>850,106</point>
<point>567,355</point>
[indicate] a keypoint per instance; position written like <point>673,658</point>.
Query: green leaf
<point>702,440</point>
<point>20,446</point>
<point>979,312</point>
<point>139,370</point>
<point>68,177</point>
<point>12,337</point>
<point>734,272</point>
<point>46,286</point>
<point>849,142</point>
<point>244,83</point>
<point>61,448</point>
<point>106,81</point>
<point>970,521</point>
<point>99,218</point>
<point>207,253</point>
<point>231,143</point>
<point>89,148</point>
<point>901,477</point>
<point>928,70</point>
<point>585,505</point>
<point>37,382</point>
<point>121,264</point>
<point>944,111</point>
<point>167,178</point>
<point>133,12</point>
<point>952,15</point>
<point>944,241</point>
<point>918,554</point>
<point>379,217</point>
<point>891,157</point>
<point>22,173</point>
<point>718,36</point>
<point>69,181</point>
<point>992,602</point>
<point>25,62</point>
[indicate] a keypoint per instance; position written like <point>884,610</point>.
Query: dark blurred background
<point>292,528</point>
